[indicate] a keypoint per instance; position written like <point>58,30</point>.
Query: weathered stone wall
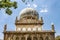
<point>29,36</point>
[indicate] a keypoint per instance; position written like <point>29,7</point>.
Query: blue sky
<point>48,9</point>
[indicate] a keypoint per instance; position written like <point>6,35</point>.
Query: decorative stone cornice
<point>46,31</point>
<point>29,23</point>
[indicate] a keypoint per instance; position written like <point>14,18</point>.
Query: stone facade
<point>29,27</point>
<point>29,35</point>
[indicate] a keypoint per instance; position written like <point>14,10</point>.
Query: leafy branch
<point>7,4</point>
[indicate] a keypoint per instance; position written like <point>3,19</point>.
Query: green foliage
<point>8,11</point>
<point>7,4</point>
<point>15,5</point>
<point>57,38</point>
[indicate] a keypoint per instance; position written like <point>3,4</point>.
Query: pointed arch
<point>47,38</point>
<point>17,38</point>
<point>40,38</point>
<point>22,38</point>
<point>29,38</point>
<point>35,38</point>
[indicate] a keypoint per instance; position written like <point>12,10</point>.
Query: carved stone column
<point>32,37</point>
<point>26,38</point>
<point>19,37</point>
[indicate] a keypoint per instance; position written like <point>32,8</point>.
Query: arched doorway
<point>40,38</point>
<point>46,38</point>
<point>29,38</point>
<point>22,38</point>
<point>35,38</point>
<point>17,38</point>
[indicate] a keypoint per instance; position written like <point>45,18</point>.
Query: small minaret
<point>52,27</point>
<point>16,19</point>
<point>5,27</point>
<point>41,19</point>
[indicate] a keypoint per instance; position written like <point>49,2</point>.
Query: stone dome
<point>29,13</point>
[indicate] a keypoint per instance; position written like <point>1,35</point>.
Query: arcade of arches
<point>43,36</point>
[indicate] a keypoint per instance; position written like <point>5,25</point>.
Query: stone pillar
<point>32,38</point>
<point>20,37</point>
<point>38,36</point>
<point>4,36</point>
<point>25,37</point>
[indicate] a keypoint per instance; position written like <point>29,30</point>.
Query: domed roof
<point>28,11</point>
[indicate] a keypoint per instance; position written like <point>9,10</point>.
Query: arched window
<point>34,29</point>
<point>23,29</point>
<point>35,38</point>
<point>22,38</point>
<point>46,38</point>
<point>29,38</point>
<point>17,38</point>
<point>40,38</point>
<point>9,38</point>
<point>29,29</point>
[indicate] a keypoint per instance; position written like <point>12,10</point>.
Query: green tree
<point>57,38</point>
<point>7,4</point>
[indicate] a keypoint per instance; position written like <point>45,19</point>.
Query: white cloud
<point>35,5</point>
<point>28,5</point>
<point>52,23</point>
<point>44,10</point>
<point>31,5</point>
